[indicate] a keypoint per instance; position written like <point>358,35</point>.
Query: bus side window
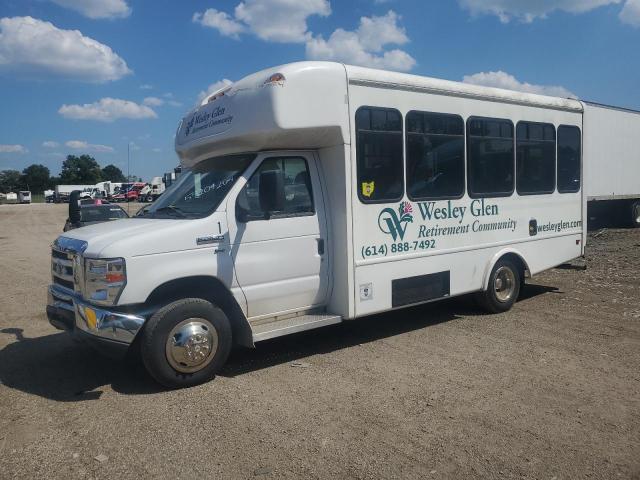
<point>490,157</point>
<point>568,159</point>
<point>535,158</point>
<point>379,155</point>
<point>435,156</point>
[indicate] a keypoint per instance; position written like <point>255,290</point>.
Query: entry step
<point>290,325</point>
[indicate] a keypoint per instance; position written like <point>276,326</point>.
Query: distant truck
<point>612,159</point>
<point>24,196</point>
<point>153,190</point>
<point>11,197</point>
<point>129,192</point>
<point>62,192</point>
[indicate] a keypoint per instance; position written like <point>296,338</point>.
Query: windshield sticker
<point>368,188</point>
<point>202,191</point>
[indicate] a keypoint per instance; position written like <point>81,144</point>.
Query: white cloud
<point>88,147</point>
<point>502,79</point>
<point>221,21</point>
<point>213,88</point>
<point>13,149</point>
<point>174,103</point>
<point>146,86</point>
<point>153,102</point>
<point>34,47</point>
<point>630,14</point>
<point>364,46</point>
<point>107,110</point>
<point>527,10</point>
<point>50,144</point>
<point>157,150</point>
<point>97,8</point>
<point>270,20</point>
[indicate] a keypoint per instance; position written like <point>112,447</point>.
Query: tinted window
<point>435,155</point>
<point>535,158</point>
<point>379,154</point>
<point>490,158</point>
<point>568,159</point>
<point>298,198</point>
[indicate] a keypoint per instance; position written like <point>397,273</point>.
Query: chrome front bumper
<point>67,311</point>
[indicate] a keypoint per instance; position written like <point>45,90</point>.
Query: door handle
<point>320,246</point>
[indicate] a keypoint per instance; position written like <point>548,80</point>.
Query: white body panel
<point>468,253</point>
<point>611,153</point>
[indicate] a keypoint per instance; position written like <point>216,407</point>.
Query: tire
<point>503,288</point>
<point>202,326</point>
<point>149,199</point>
<point>635,214</point>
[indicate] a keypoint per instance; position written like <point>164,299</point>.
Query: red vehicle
<point>129,192</point>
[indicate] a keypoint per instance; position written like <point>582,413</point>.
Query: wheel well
<point>212,290</point>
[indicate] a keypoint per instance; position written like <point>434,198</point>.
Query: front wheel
<point>503,289</point>
<point>186,343</point>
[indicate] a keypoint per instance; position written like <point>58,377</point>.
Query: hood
<point>132,237</point>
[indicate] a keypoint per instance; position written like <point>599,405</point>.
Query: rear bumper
<point>100,326</point>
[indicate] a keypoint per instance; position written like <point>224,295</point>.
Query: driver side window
<point>295,198</point>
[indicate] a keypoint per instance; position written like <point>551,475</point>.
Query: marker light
<point>275,78</point>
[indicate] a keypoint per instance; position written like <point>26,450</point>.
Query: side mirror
<point>271,192</point>
<point>74,207</point>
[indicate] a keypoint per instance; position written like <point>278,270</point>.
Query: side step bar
<point>278,328</point>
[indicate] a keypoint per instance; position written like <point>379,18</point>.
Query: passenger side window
<point>379,155</point>
<point>490,157</point>
<point>569,142</point>
<point>535,158</point>
<point>435,156</point>
<point>297,196</point>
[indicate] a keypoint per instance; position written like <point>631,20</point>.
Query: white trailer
<point>24,196</point>
<point>62,192</point>
<point>612,161</point>
<point>315,193</point>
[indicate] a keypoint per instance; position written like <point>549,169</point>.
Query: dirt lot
<point>548,390</point>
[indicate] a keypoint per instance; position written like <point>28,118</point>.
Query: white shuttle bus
<point>315,193</point>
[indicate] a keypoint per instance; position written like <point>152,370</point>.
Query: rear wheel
<point>503,289</point>
<point>186,343</point>
<point>635,214</point>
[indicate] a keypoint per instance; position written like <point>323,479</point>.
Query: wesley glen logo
<point>189,126</point>
<point>395,222</point>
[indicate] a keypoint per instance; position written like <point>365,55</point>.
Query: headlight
<point>104,280</point>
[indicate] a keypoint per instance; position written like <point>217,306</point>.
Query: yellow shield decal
<point>367,188</point>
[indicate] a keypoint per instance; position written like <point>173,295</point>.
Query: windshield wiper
<point>171,209</point>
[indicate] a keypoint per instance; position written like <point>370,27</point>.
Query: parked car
<point>95,211</point>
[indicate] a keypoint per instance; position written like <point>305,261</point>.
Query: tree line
<point>76,170</point>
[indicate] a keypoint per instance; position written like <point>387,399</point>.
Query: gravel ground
<point>550,389</point>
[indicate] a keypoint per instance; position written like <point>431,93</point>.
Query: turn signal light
<point>113,277</point>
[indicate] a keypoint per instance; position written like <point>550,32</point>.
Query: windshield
<point>198,192</point>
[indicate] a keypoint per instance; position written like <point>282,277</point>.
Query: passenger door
<point>280,256</point>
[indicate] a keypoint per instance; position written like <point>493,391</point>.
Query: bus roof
<point>415,83</point>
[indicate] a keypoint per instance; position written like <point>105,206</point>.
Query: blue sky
<point>90,76</point>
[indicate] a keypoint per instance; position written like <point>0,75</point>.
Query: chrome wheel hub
<point>191,345</point>
<point>504,284</point>
<point>636,213</point>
